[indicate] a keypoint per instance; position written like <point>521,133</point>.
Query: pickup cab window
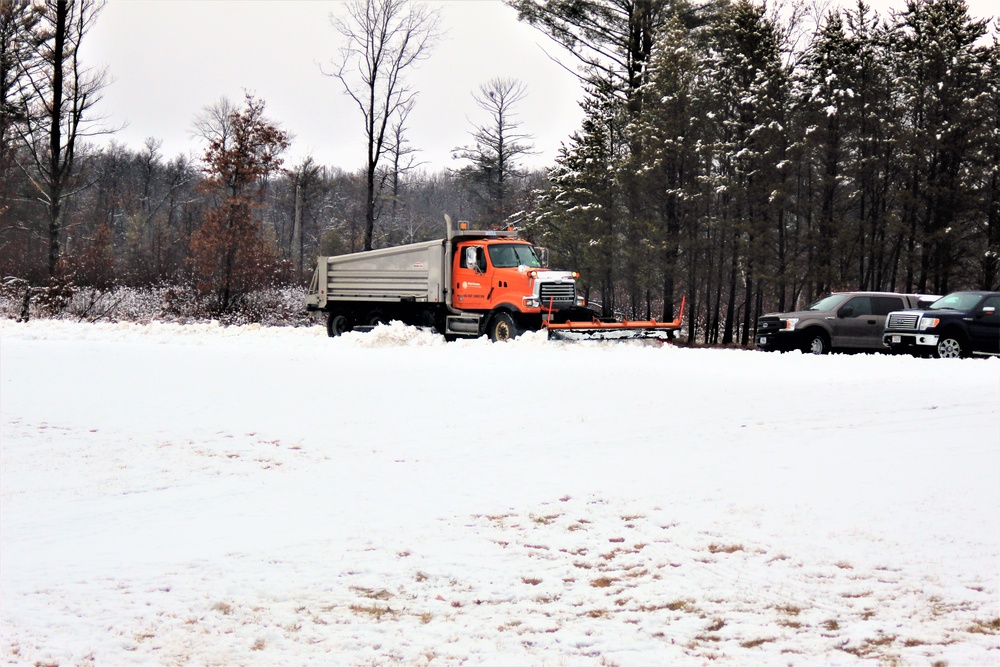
<point>859,306</point>
<point>883,305</point>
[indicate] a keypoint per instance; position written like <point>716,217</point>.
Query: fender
<point>509,307</point>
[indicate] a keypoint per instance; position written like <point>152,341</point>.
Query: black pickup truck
<point>839,321</point>
<point>957,325</point>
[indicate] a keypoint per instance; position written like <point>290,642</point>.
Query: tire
<point>375,317</point>
<point>503,328</point>
<point>337,324</point>
<point>950,346</point>
<point>816,343</point>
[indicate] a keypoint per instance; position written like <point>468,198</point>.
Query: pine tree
<point>873,158</point>
<point>940,70</point>
<point>662,165</point>
<point>986,176</point>
<point>580,214</point>
<point>498,146</point>
<point>752,88</point>
<point>826,113</point>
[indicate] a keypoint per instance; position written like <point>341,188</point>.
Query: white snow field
<point>200,495</point>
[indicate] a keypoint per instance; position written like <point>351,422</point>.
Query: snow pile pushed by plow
<point>200,494</point>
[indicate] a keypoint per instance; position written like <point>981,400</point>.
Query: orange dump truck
<point>469,284</point>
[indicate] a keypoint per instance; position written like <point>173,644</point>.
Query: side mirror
<point>470,257</point>
<point>846,311</point>
<point>543,256</point>
<point>988,310</point>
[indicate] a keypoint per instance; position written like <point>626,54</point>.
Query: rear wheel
<point>375,317</point>
<point>337,324</point>
<point>503,327</point>
<point>949,346</point>
<point>816,343</point>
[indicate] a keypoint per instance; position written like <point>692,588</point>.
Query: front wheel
<point>949,347</point>
<point>817,343</point>
<point>502,328</point>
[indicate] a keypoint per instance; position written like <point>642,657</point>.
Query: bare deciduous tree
<point>213,122</point>
<point>58,107</point>
<point>385,39</point>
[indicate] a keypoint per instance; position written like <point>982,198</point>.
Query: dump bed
<point>414,272</point>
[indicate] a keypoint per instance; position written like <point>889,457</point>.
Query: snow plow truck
<point>469,284</point>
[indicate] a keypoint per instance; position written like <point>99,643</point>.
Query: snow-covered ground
<point>193,494</point>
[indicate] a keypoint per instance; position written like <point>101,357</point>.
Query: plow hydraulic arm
<point>597,329</point>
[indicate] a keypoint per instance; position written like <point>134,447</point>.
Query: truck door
<point>855,325</point>
<point>471,277</point>
<point>984,329</point>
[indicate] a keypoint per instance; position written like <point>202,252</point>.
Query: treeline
<point>229,218</point>
<point>134,223</point>
<point>724,157</point>
<point>723,161</point>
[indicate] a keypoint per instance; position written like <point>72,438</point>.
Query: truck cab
<point>502,277</point>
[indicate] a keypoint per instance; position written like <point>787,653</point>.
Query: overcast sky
<point>168,59</point>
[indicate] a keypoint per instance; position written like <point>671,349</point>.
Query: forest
<point>726,155</point>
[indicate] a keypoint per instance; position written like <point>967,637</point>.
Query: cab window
<point>991,302</point>
<point>479,261</point>
<point>859,306</point>
<point>883,305</point>
<point>512,255</point>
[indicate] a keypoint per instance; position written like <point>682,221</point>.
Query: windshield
<point>957,301</point>
<point>827,302</point>
<point>511,255</point>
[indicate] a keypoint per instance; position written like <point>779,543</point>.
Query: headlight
<point>531,302</point>
<point>790,323</point>
<point>928,323</point>
<point>581,302</point>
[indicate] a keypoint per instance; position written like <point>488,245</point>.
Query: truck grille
<point>561,295</point>
<point>902,321</point>
<point>768,324</point>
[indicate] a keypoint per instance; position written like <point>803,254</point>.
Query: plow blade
<point>596,329</point>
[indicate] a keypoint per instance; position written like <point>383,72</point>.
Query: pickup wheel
<point>816,343</point>
<point>502,328</point>
<point>337,324</point>
<point>950,346</point>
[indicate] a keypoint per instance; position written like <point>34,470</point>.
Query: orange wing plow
<point>597,329</point>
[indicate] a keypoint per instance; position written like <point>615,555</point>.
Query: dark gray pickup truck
<point>839,321</point>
